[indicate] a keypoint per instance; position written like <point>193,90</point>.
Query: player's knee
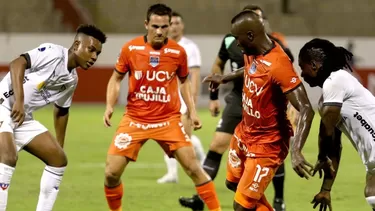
<point>220,144</point>
<point>245,203</point>
<point>371,201</point>
<point>231,185</point>
<point>59,159</point>
<point>112,178</point>
<point>9,158</point>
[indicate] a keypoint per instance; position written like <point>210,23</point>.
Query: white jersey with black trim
<point>47,79</point>
<point>357,112</point>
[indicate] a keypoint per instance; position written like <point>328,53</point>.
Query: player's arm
<point>299,100</point>
<point>195,63</point>
<point>332,149</point>
<point>61,117</point>
<point>17,74</point>
<point>114,84</point>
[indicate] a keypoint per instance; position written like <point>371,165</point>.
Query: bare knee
<point>231,185</point>
<point>59,160</point>
<point>9,158</point>
<point>114,168</point>
<point>8,151</point>
<point>220,143</point>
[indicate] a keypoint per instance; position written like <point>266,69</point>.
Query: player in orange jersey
<point>154,64</point>
<point>261,141</point>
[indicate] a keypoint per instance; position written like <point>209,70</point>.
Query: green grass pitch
<point>86,145</point>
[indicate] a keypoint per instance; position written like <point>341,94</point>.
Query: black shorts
<point>232,114</point>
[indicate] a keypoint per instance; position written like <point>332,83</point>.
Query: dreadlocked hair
<point>333,57</point>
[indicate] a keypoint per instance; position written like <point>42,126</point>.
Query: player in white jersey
<point>345,107</point>
<point>37,78</point>
<point>194,63</point>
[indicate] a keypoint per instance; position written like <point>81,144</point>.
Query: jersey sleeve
<point>122,63</point>
<point>333,92</point>
<point>66,100</point>
<point>183,70</point>
<point>194,59</point>
<point>44,55</point>
<point>285,76</point>
<point>223,52</point>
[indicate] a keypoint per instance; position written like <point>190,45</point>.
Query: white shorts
<point>22,134</point>
<point>183,108</point>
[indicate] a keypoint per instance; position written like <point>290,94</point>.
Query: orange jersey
<point>267,78</point>
<point>153,94</point>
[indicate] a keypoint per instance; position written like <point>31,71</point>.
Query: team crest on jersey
<point>138,74</point>
<point>154,61</point>
<point>252,68</point>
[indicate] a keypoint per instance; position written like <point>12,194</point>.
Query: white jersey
<point>357,112</point>
<point>47,79</point>
<point>194,60</point>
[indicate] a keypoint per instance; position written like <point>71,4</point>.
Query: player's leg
<point>125,146</point>
<point>40,143</point>
<point>370,188</point>
<point>172,169</point>
<point>278,184</point>
<point>230,118</point>
<point>8,160</point>
<point>176,144</point>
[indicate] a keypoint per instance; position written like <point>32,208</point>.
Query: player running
<point>44,75</point>
<point>194,62</point>
<point>232,115</point>
<point>344,104</point>
<point>155,64</point>
<point>261,140</point>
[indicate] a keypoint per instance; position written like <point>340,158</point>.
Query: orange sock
<point>114,196</point>
<point>208,194</point>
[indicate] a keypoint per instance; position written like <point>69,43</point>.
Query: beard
<point>250,51</point>
<point>319,79</point>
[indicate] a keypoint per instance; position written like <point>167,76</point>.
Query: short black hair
<point>159,9</point>
<point>243,13</point>
<point>176,14</point>
<point>254,7</point>
<point>333,57</point>
<point>92,31</point>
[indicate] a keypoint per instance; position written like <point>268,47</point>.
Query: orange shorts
<point>251,173</point>
<point>131,135</point>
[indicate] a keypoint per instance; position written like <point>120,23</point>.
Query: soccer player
<point>232,115</point>
<point>261,140</point>
<point>176,31</point>
<point>345,107</point>
<point>44,75</point>
<point>155,64</point>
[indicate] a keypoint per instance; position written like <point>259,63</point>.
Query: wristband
<point>214,95</point>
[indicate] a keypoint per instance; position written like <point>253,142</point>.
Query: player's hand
<point>214,107</point>
<point>107,117</point>
<point>18,112</point>
<point>195,121</point>
<point>323,164</point>
<point>324,199</point>
<point>215,80</point>
<point>300,165</point>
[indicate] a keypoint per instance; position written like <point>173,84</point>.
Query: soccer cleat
<point>168,178</point>
<point>194,203</point>
<point>278,204</point>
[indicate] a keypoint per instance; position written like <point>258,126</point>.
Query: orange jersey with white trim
<point>153,94</point>
<point>267,80</point>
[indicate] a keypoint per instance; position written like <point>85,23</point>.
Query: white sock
<point>49,187</point>
<point>371,201</point>
<point>171,165</point>
<point>198,148</point>
<point>6,173</point>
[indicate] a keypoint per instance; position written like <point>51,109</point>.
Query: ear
<point>146,24</point>
<point>250,36</point>
<point>76,45</point>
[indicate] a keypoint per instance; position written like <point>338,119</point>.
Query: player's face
<point>309,73</point>
<point>87,51</point>
<point>157,29</point>
<point>244,39</point>
<point>177,27</point>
